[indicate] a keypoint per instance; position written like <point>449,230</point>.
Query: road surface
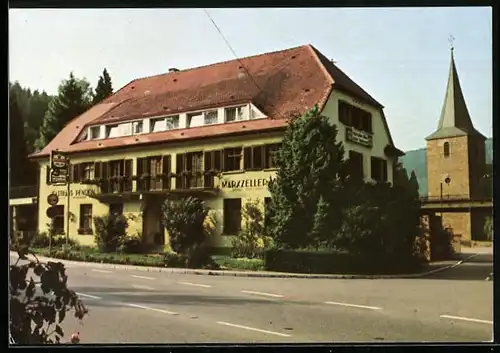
<point>149,307</point>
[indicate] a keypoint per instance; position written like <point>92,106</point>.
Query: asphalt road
<point>150,307</point>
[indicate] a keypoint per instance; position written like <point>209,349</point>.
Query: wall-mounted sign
<point>59,167</point>
<point>246,183</point>
<point>75,193</point>
<point>359,137</point>
<point>52,199</point>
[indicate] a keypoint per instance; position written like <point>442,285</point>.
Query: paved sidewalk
<point>433,268</point>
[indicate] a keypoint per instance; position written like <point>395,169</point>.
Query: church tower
<point>456,150</point>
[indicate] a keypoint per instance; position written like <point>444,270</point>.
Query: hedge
<point>334,262</point>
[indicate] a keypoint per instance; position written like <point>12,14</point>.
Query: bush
<point>332,262</point>
<point>239,263</point>
<point>442,245</point>
<point>251,241</point>
<point>110,231</point>
<point>185,222</point>
<point>132,245</point>
<point>33,317</point>
<point>172,259</point>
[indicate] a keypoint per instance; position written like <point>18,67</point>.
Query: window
<point>172,122</point>
<point>446,149</point>
<point>189,170</point>
<point>112,131</point>
<point>116,208</point>
<point>211,117</point>
<point>232,159</point>
<point>59,219</point>
<point>269,153</point>
<point>353,116</point>
<point>125,129</point>
<point>232,216</point>
<point>212,164</point>
<point>356,165</point>
<point>86,218</point>
<point>95,132</point>
<point>253,158</point>
<point>155,169</point>
<point>233,114</point>
<point>158,125</point>
<point>138,127</point>
<point>195,120</point>
<point>83,171</point>
<point>378,169</point>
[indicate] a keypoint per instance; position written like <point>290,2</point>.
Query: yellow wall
<point>380,134</point>
<point>133,208</point>
<point>244,191</point>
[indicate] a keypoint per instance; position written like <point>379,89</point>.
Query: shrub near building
<point>318,203</point>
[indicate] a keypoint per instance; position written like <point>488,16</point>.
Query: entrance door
<point>152,225</point>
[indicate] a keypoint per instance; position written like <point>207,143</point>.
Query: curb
<point>245,273</point>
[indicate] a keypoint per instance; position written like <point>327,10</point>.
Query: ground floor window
<point>378,169</point>
<point>85,219</point>
<point>356,165</point>
<point>59,219</point>
<point>232,216</point>
<point>116,208</point>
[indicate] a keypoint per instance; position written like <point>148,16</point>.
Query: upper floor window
<point>158,125</point>
<point>195,119</point>
<point>172,122</point>
<point>95,132</point>
<point>233,114</point>
<point>353,116</point>
<point>211,117</point>
<point>112,131</point>
<point>232,159</point>
<point>137,127</point>
<point>355,165</point>
<point>446,149</point>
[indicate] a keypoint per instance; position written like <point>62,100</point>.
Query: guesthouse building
<point>208,132</point>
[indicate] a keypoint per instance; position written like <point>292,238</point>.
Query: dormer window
<point>233,114</point>
<point>137,127</point>
<point>211,117</point>
<point>95,132</point>
<point>172,122</point>
<point>158,125</point>
<point>195,119</point>
<point>112,131</point>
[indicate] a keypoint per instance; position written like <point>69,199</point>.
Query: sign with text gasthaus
<point>59,167</point>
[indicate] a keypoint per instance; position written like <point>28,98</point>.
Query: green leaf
<point>62,315</point>
<point>59,330</point>
<point>30,290</point>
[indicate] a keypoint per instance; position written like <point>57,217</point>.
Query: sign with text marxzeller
<point>59,167</point>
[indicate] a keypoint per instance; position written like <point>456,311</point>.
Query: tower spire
<point>455,119</point>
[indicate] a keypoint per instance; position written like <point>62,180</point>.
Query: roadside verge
<point>433,268</point>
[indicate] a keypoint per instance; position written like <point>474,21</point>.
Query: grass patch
<point>92,255</point>
<point>231,263</point>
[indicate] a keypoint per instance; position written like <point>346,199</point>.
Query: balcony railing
<point>457,197</point>
<point>18,192</point>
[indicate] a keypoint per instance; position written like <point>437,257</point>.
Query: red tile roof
<point>282,84</point>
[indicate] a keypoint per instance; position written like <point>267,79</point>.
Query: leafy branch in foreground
<point>36,318</point>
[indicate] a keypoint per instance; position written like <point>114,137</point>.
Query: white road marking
<point>138,286</point>
<point>143,277</point>
<point>88,296</point>
<point>153,309</point>
<point>466,319</point>
<point>195,284</point>
<point>101,271</point>
<point>355,305</point>
<point>262,293</point>
<point>254,329</point>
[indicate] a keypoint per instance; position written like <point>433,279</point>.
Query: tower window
<point>446,149</point>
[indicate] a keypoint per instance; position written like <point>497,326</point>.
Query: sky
<point>400,56</point>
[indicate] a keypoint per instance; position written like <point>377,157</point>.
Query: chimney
<point>173,69</point>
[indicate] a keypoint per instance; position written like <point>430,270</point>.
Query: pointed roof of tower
<point>455,119</point>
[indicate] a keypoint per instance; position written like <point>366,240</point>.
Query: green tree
<point>104,88</point>
<point>308,183</point>
<point>74,98</point>
<point>33,107</point>
<point>22,171</point>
